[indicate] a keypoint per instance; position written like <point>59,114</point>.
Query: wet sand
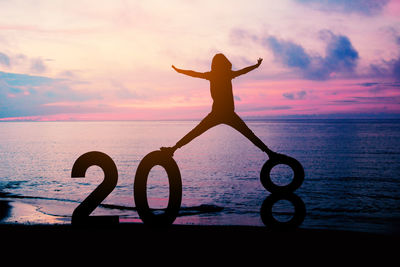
<point>195,244</point>
<point>133,239</point>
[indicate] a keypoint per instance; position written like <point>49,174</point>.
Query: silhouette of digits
<point>80,216</point>
<point>265,175</point>
<point>175,191</point>
<point>268,218</point>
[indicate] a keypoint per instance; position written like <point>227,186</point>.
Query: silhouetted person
<point>223,108</point>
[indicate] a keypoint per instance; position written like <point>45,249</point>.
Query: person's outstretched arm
<point>247,69</point>
<point>191,73</point>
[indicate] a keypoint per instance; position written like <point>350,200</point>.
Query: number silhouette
<point>82,212</point>
<point>140,186</point>
<point>270,221</point>
<point>298,177</point>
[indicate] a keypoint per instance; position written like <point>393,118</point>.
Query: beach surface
<point>134,243</point>
<point>255,242</point>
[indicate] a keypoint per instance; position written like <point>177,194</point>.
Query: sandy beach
<point>198,244</point>
<point>206,240</point>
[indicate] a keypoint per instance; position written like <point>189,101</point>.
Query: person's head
<point>220,63</point>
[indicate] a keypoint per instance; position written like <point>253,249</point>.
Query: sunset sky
<point>111,60</point>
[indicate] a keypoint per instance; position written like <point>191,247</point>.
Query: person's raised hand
<point>259,61</point>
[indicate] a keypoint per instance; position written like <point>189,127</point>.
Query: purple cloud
<point>364,7</point>
<point>388,69</point>
<point>4,60</point>
<point>295,95</point>
<point>27,95</point>
<point>341,56</point>
<point>37,65</point>
<point>289,53</point>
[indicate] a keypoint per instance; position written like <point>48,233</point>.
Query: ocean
<point>352,171</point>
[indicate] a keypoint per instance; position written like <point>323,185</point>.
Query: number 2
<point>81,213</point>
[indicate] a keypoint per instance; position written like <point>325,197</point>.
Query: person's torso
<point>221,93</point>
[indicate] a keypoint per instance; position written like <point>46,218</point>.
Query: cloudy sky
<point>100,60</point>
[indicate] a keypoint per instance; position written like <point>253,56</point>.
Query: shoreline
<point>16,216</point>
<point>198,242</point>
<point>15,224</point>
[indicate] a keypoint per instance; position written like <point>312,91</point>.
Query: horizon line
<point>248,118</point>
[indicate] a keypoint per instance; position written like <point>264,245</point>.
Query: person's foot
<point>274,155</point>
<point>168,150</point>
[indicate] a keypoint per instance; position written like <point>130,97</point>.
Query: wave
<point>337,179</point>
<point>184,211</point>
<point>200,209</point>
<point>11,195</point>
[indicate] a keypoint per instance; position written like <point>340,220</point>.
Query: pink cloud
<point>393,8</point>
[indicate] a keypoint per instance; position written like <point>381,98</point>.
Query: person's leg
<point>237,123</point>
<point>208,122</point>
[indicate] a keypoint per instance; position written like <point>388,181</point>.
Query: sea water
<point>352,170</point>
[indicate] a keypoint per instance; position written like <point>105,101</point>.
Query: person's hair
<point>220,63</point>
